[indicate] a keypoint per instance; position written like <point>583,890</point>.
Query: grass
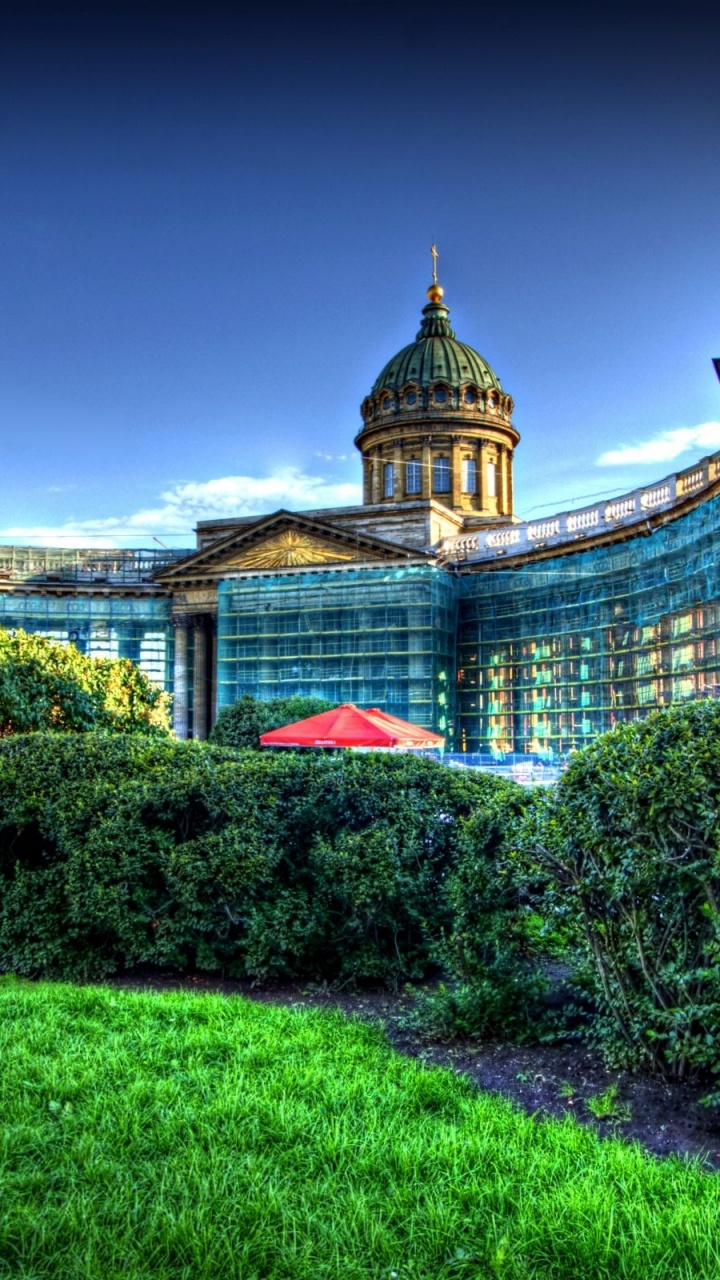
<point>607,1105</point>
<point>205,1138</point>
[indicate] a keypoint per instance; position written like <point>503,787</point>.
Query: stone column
<point>456,474</point>
<point>200,680</point>
<point>426,470</point>
<point>399,471</point>
<point>482,475</point>
<point>493,478</point>
<point>509,481</point>
<point>376,466</point>
<point>180,678</point>
<point>212,668</point>
<point>502,480</point>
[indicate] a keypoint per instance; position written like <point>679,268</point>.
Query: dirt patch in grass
<point>545,1080</point>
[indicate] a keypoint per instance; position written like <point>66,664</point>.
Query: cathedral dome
<point>437,424</point>
<point>436,356</point>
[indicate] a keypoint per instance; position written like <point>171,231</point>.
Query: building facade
<point>431,600</point>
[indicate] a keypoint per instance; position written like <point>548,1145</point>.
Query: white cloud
<point>182,505</point>
<point>664,447</point>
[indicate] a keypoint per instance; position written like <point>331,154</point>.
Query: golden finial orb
<point>436,291</point>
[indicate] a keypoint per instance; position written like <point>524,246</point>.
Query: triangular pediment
<point>288,548</point>
<point>284,540</point>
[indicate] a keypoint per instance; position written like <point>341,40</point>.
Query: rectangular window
<point>412,478</point>
<point>388,480</point>
<point>469,475</point>
<point>441,475</point>
<point>491,489</point>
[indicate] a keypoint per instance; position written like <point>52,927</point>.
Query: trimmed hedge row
<point>120,850</point>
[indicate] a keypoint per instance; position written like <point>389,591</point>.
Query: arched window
<point>441,475</point>
<point>413,479</point>
<point>388,480</point>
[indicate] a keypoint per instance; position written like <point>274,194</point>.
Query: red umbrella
<point>349,726</point>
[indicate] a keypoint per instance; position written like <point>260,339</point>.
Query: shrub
<point>491,947</point>
<point>241,724</point>
<point>47,685</point>
<point>120,850</point>
<point>629,845</point>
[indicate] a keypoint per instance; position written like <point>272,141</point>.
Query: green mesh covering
<point>101,626</point>
<point>377,637</point>
<point>552,654</point>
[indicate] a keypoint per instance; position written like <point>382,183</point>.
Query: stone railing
<point>585,522</point>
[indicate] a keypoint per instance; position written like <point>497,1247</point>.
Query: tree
<point>241,724</point>
<point>45,685</point>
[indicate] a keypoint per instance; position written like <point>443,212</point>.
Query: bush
<point>629,845</point>
<point>47,685</point>
<point>116,851</point>
<point>491,948</point>
<point>241,724</point>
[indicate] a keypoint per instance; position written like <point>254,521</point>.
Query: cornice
<point>435,428</point>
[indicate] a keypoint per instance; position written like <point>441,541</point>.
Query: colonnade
<point>490,456</point>
<point>194,699</point>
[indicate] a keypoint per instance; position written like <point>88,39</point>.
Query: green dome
<point>436,356</point>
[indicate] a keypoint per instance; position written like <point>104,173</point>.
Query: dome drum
<point>469,475</point>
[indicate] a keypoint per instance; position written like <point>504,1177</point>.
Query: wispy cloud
<point>182,505</point>
<point>663,447</point>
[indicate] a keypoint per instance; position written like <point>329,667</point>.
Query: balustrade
<point>621,508</point>
<point>504,538</point>
<point>583,520</point>
<point>655,497</point>
<point>627,509</point>
<point>544,529</point>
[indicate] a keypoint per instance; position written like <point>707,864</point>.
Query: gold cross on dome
<point>434,255</point>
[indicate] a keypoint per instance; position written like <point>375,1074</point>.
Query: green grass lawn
<point>201,1137</point>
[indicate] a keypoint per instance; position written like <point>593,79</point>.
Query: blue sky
<point>213,236</point>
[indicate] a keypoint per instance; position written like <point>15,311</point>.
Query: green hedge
<point>241,724</point>
<point>628,845</point>
<point>120,850</point>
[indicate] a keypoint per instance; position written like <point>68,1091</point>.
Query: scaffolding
<point>378,637</point>
<point>552,653</point>
<point>102,626</point>
<point>116,567</point>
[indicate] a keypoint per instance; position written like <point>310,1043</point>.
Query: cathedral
<point>431,600</point>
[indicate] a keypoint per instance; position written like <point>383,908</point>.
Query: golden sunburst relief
<point>290,548</point>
